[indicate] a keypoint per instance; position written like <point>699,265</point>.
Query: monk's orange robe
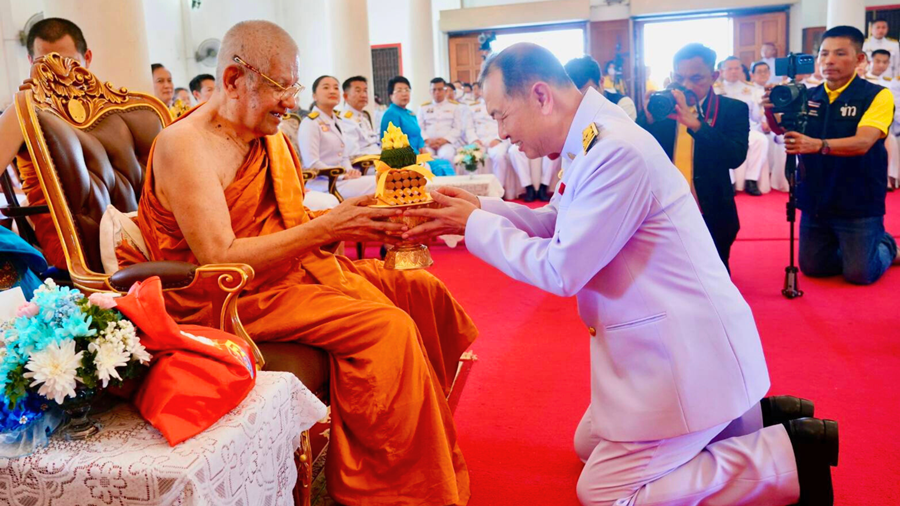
<point>44,229</point>
<point>394,339</point>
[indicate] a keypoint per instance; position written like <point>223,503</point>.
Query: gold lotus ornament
<point>401,176</point>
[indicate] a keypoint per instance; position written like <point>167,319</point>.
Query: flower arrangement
<point>60,343</point>
<point>469,156</point>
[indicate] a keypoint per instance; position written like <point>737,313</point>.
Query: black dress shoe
<point>751,188</point>
<point>815,444</point>
<point>781,408</point>
<point>543,193</point>
<point>529,194</point>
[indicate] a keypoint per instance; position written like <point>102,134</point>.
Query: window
<point>565,44</point>
<point>663,39</point>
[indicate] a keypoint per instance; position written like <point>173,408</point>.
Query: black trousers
<point>723,238</point>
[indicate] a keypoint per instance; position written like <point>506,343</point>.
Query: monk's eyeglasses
<point>285,93</point>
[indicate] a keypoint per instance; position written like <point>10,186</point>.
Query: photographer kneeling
<point>842,177</point>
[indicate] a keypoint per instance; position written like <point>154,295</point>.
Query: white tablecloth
<point>246,458</point>
<point>480,185</point>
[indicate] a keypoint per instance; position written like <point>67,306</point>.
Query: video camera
<point>789,99</point>
<point>662,103</point>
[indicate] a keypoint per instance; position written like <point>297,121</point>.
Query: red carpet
<point>838,345</point>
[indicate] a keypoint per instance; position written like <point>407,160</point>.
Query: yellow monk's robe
<point>394,339</point>
<point>44,229</point>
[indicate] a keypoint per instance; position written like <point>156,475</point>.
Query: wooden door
<point>751,31</point>
<point>465,62</point>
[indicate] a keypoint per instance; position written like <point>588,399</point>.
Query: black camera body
<point>662,103</point>
<point>789,99</point>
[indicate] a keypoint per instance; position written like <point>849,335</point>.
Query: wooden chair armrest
<point>23,211</point>
<point>333,174</point>
<point>230,280</point>
<point>365,162</point>
<point>309,174</point>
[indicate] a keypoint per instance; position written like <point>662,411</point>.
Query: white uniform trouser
<point>777,159</point>
<point>756,166</point>
<point>522,166</point>
<point>499,159</point>
<point>348,188</point>
<point>754,467</point>
<point>893,154</point>
<point>445,152</point>
<point>318,201</point>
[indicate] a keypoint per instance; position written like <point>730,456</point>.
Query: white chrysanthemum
<point>54,368</point>
<point>139,353</point>
<point>109,356</point>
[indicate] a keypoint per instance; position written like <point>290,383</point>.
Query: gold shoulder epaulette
<point>891,38</point>
<point>426,103</point>
<point>453,101</point>
<point>474,102</point>
<point>313,115</point>
<point>589,137</point>
<point>348,114</point>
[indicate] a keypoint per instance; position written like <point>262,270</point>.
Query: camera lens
<point>661,104</point>
<point>783,95</point>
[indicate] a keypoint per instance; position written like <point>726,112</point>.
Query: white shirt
<point>321,141</point>
<point>360,135</point>
<point>445,119</point>
<point>674,347</point>
<point>746,93</point>
<point>481,125</point>
<point>888,44</point>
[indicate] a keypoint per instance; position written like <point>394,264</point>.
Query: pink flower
<point>102,300</point>
<point>28,310</point>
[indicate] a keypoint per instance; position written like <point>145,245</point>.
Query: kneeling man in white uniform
<point>677,368</point>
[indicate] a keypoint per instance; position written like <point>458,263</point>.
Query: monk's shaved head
<point>259,43</point>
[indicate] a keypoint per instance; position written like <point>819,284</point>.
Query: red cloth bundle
<point>198,374</point>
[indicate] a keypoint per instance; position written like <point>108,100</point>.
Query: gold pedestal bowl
<point>408,255</point>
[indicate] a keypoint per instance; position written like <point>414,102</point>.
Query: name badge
<point>324,128</point>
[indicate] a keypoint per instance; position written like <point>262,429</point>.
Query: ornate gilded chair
<point>90,143</point>
<point>365,162</point>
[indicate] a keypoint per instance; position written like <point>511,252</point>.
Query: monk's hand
<point>353,220</point>
<point>451,218</point>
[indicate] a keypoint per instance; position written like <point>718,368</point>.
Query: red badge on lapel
<point>562,188</point>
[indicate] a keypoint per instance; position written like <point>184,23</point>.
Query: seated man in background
<point>842,189</point>
<point>441,122</point>
<point>202,87</point>
<point>162,84</point>
<point>51,35</point>
<point>585,73</point>
<point>705,138</point>
<point>481,129</point>
<point>223,186</point>
<point>360,136</point>
<point>878,74</point>
<point>183,95</point>
<point>755,168</point>
<point>759,79</point>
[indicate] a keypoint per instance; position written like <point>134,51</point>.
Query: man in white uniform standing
<point>878,39</point>
<point>481,129</point>
<point>752,176</point>
<point>675,355</point>
<point>442,122</point>
<point>768,53</point>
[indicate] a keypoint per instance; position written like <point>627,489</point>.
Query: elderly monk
<point>223,185</point>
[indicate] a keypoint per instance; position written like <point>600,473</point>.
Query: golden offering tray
<point>408,255</point>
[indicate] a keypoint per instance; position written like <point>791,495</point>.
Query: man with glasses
<point>223,186</point>
<point>442,122</point>
<point>705,138</point>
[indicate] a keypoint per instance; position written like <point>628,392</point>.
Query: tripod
<point>791,273</point>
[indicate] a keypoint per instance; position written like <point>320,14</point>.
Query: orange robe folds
<point>44,229</point>
<point>394,339</point>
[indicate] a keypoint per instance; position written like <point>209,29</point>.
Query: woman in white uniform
<point>322,143</point>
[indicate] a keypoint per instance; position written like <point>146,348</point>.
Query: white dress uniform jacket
<point>444,119</point>
<point>360,136</point>
<point>322,142</point>
<point>888,44</point>
<point>674,347</point>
